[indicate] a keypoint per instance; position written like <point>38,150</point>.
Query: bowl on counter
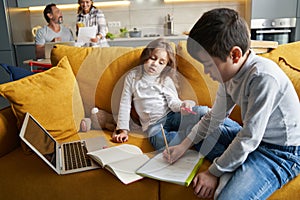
<point>135,33</point>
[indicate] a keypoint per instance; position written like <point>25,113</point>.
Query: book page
<point>125,169</point>
<point>116,153</point>
<point>181,172</point>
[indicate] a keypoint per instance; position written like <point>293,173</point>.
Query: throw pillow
<point>52,97</point>
<point>292,73</point>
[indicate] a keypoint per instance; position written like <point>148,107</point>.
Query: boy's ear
<point>235,54</point>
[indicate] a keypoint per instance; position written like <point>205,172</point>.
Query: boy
<point>264,154</point>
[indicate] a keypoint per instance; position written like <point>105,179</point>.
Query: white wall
<point>149,15</point>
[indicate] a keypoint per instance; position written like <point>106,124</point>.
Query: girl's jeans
<point>177,127</point>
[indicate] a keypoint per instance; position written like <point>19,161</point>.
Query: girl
<point>152,86</point>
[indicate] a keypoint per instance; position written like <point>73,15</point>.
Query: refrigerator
<point>7,54</point>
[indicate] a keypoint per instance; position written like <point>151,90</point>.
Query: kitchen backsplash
<point>148,15</point>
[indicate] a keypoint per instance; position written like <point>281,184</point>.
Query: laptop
<point>63,158</point>
<point>49,46</point>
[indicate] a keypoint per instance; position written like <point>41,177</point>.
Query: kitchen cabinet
<point>6,47</point>
<point>27,3</point>
<point>298,22</point>
<point>24,51</point>
<point>272,9</point>
<point>4,77</point>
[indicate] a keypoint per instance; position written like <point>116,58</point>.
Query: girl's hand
<point>186,107</point>
<point>120,137</point>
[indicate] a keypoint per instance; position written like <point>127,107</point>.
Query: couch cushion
<point>288,59</point>
<point>28,177</point>
<point>289,52</point>
<point>52,97</point>
<point>9,138</point>
<point>89,67</point>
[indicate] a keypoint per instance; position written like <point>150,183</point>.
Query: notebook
<point>49,46</point>
<point>63,158</point>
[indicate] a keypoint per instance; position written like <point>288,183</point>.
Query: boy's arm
<point>210,122</point>
<point>262,96</point>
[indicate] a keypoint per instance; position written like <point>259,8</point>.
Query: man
<point>53,32</point>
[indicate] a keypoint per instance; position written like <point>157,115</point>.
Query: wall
<point>149,15</point>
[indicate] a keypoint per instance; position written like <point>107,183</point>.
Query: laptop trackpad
<point>96,143</point>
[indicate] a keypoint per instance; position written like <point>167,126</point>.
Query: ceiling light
<point>75,6</point>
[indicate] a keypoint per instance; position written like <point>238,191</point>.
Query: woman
<point>88,15</point>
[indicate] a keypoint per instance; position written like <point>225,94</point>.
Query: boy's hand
<point>176,151</point>
<point>120,137</point>
<point>205,184</point>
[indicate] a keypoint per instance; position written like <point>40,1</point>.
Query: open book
<point>181,172</point>
<point>122,161</point>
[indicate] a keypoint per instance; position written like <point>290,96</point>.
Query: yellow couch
<point>99,75</point>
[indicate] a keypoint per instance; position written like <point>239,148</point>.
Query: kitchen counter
<point>173,38</point>
<point>26,50</point>
<point>143,41</point>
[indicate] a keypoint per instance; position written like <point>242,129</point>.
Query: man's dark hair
<point>48,10</point>
<point>218,31</point>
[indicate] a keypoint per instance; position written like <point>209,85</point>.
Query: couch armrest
<point>9,133</point>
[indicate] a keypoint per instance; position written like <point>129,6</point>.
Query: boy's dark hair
<point>218,31</point>
<point>47,10</point>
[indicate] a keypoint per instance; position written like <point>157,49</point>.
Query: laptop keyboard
<point>75,156</point>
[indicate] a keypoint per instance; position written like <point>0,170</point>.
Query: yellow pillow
<point>292,73</point>
<point>52,97</point>
<point>289,52</point>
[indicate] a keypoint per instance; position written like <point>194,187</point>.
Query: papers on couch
<point>122,161</point>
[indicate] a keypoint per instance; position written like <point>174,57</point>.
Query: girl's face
<point>157,61</point>
<point>86,5</point>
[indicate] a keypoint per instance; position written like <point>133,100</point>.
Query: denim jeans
<point>265,170</point>
<point>177,126</point>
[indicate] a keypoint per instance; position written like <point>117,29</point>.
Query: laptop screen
<point>41,141</point>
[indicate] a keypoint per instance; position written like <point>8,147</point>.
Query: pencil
<point>165,139</point>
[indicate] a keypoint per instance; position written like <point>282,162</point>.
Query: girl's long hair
<point>171,68</point>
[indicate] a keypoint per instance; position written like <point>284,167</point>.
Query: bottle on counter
<point>169,25</point>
